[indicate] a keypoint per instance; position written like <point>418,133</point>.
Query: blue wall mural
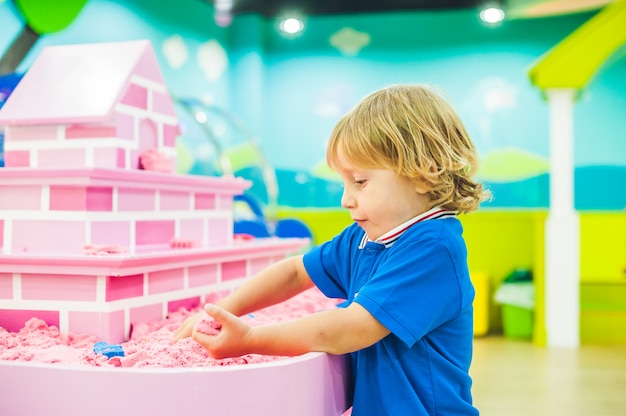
<point>286,94</point>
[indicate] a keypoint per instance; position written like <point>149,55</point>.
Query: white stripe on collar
<point>391,236</point>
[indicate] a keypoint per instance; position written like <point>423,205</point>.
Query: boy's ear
<point>422,186</point>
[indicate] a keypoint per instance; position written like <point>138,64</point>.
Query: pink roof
<point>79,83</point>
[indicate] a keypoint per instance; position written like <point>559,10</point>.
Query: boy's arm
<point>274,284</point>
<point>336,331</point>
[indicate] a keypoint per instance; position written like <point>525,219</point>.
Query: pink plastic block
<point>48,236</point>
<point>82,131</point>
<point>121,159</point>
<point>233,270</point>
<point>6,286</point>
<point>111,233</point>
<point>135,199</point>
<point>148,136</point>
<point>204,201</point>
<point>67,198</point>
<point>16,158</point>
<point>58,287</point>
<point>13,320</point>
<point>202,275</point>
<point>108,326</point>
<point>19,133</point>
<point>154,232</point>
<point>170,133</point>
<point>256,265</point>
<point>65,158</point>
<point>20,197</point>
<point>225,202</point>
<point>99,198</point>
<point>72,198</point>
<point>162,103</point>
<point>124,287</point>
<point>105,157</point>
<point>136,96</point>
<point>219,231</point>
<point>192,229</point>
<point>188,304</point>
<point>171,200</point>
<point>125,126</point>
<point>1,234</point>
<point>149,313</point>
<point>165,281</point>
<point>147,67</point>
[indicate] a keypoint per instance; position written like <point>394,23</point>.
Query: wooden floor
<point>516,378</point>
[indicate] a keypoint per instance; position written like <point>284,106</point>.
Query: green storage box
<point>517,322</point>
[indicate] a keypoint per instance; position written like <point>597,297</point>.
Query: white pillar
<point>562,256</point>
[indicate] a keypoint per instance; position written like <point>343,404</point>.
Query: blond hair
<point>413,131</point>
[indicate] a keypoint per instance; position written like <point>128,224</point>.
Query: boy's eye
<point>359,181</point>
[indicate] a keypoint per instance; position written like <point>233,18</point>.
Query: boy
<point>406,162</point>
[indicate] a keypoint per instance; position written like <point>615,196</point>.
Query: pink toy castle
<point>85,233</point>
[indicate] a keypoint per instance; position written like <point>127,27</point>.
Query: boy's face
<point>378,199</point>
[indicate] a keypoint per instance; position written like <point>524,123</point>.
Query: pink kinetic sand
<point>150,344</point>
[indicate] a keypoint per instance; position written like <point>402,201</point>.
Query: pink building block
<point>86,131</point>
<point>129,199</point>
<point>6,286</point>
<point>104,325</point>
<point>34,133</point>
<point>165,281</point>
<point>124,287</point>
<point>204,201</point>
<point>193,230</point>
<point>58,287</point>
<point>162,103</point>
<point>173,200</point>
<point>188,304</point>
<point>154,232</point>
<point>72,198</point>
<point>67,158</point>
<point>219,231</point>
<point>111,233</point>
<point>20,197</point>
<point>17,158</point>
<point>41,236</point>
<point>136,96</point>
<point>148,313</point>
<point>234,270</point>
<point>202,275</point>
<point>125,126</point>
<point>14,319</point>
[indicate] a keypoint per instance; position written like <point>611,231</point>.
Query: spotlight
<point>492,14</point>
<point>291,25</point>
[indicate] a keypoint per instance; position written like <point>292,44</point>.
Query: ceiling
<point>513,8</point>
<point>271,8</point>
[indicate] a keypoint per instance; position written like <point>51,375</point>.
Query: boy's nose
<point>347,201</point>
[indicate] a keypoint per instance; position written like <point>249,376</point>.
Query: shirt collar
<point>391,236</point>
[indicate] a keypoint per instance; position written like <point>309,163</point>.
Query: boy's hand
<point>186,328</point>
<point>232,340</point>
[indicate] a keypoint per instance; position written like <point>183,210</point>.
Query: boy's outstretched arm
<point>274,284</point>
<point>335,331</point>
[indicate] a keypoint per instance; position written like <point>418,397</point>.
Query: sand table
<point>150,344</point>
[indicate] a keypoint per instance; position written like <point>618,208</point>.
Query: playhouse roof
<point>575,60</point>
<point>79,83</point>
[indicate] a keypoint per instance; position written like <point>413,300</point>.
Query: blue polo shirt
<point>415,282</point>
